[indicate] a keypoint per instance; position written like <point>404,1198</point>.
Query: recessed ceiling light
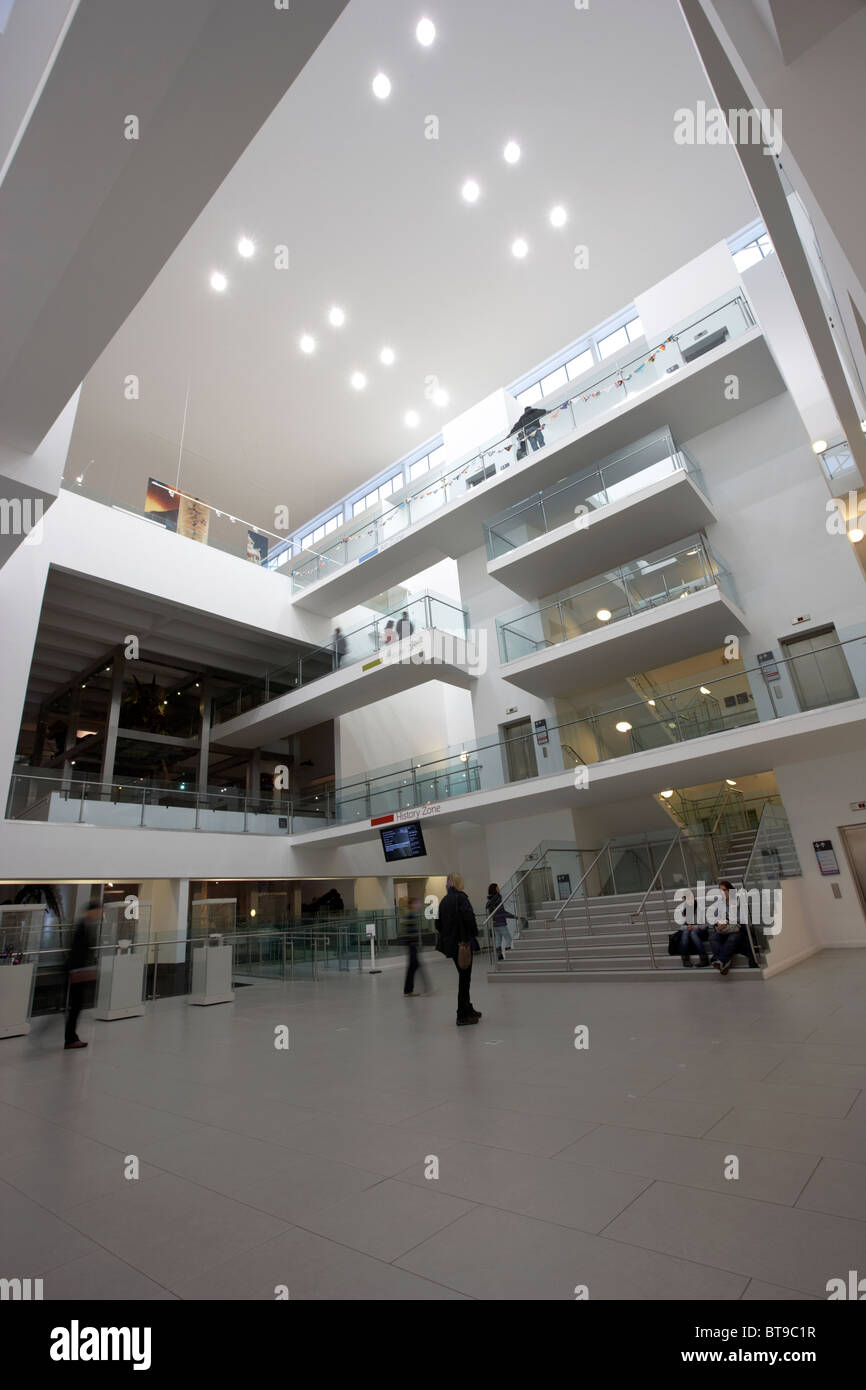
<point>218,281</point>
<point>623,727</point>
<point>667,793</point>
<point>336,316</point>
<point>604,615</point>
<point>651,703</point>
<point>730,781</point>
<point>558,216</point>
<point>511,152</point>
<point>818,446</point>
<point>359,381</point>
<point>307,343</point>
<point>863,426</point>
<point>386,357</point>
<point>246,248</point>
<point>519,248</point>
<point>470,191</point>
<point>425,32</point>
<point>705,690</point>
<point>856,535</point>
<point>440,397</point>
<point>412,418</point>
<point>381,86</point>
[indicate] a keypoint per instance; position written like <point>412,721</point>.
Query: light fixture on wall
<point>623,727</point>
<point>604,615</point>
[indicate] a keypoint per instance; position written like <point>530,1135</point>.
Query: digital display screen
<point>403,841</point>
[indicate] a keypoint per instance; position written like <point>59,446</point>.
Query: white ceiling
<point>373,219</point>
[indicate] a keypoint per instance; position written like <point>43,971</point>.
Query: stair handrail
<point>510,894</point>
<point>583,879</point>
<point>641,908</point>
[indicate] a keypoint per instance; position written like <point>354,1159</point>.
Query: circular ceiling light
<point>667,793</point>
<point>623,727</point>
<point>307,343</point>
<point>359,381</point>
<point>818,446</point>
<point>519,248</point>
<point>218,281</point>
<point>470,191</point>
<point>604,615</point>
<point>705,690</point>
<point>856,535</point>
<point>425,32</point>
<point>386,357</point>
<point>558,216</point>
<point>246,248</point>
<point>440,397</point>
<point>412,418</point>
<point>381,86</point>
<point>730,781</point>
<point>336,316</point>
<point>511,153</point>
<point>651,703</point>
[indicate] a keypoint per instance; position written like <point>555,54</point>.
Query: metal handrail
<point>642,904</point>
<point>583,879</point>
<point>510,894</point>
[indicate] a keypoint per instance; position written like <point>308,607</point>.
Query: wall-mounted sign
<point>541,734</point>
<point>858,805</point>
<point>826,857</point>
<point>768,665</point>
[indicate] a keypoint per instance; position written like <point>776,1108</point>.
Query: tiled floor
<point>314,1168</point>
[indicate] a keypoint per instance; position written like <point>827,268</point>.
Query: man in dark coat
<point>527,427</point>
<point>78,960</point>
<point>457,923</point>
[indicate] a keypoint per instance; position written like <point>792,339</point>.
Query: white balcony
<point>426,656</point>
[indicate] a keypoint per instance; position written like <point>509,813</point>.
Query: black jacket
<point>79,950</point>
<point>456,921</point>
<point>528,419</point>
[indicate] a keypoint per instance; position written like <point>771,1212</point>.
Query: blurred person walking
<point>80,970</point>
<point>458,939</point>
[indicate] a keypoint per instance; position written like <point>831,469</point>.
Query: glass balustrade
<point>625,473</point>
<point>379,635</point>
<point>659,578</point>
<point>476,766</point>
<point>583,401</point>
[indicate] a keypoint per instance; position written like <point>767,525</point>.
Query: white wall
<point>817,796</point>
<point>488,420</point>
<point>687,291</point>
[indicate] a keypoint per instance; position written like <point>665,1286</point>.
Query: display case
<point>212,971</point>
<point>124,937</point>
<point>20,933</point>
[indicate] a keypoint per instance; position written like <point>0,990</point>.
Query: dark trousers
<point>74,1007</point>
<point>536,439</point>
<point>464,1007</point>
<point>413,963</point>
<point>724,945</point>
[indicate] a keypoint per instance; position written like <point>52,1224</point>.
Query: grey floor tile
<point>798,1098</point>
<point>777,1129</point>
<point>304,1184</point>
<point>497,1255</point>
<point>34,1240</point>
<point>70,1170</point>
<point>383,1149</point>
<point>101,1276</point>
<point>765,1174</point>
<point>797,1249</point>
<point>505,1129</point>
<point>583,1198</point>
<point>311,1268</point>
<point>838,1188</point>
<point>772,1293</point>
<point>388,1219</point>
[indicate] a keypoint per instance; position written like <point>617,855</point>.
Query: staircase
<point>738,849</point>
<point>613,947</point>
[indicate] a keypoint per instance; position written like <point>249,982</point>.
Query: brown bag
<point>464,955</point>
<point>83,975</point>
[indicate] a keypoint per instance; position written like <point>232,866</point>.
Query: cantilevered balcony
<point>676,383</point>
<point>425,639</point>
<point>659,609</point>
<point>642,497</point>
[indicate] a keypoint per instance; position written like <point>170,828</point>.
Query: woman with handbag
<point>458,933</point>
<point>79,970</point>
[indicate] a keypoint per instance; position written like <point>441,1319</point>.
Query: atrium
<point>433,707</point>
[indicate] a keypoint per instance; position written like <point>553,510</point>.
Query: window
<point>556,379</point>
<point>437,456</point>
<point>419,468</point>
<point>753,252</point>
<point>580,364</point>
<point>612,343</point>
<point>377,495</point>
<point>530,395</point>
<point>634,329</point>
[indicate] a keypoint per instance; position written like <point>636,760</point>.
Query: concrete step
<point>666,976</point>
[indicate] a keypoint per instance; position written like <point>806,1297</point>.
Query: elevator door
<point>854,840</point>
<point>520,750</point>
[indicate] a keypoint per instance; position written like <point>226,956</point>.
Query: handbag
<point>464,955</point>
<point>83,975</point>
<point>674,939</point>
